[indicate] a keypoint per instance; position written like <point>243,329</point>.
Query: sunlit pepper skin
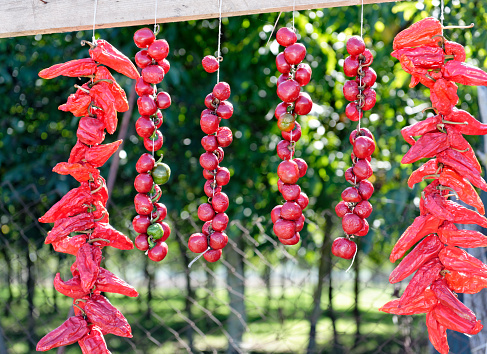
<point>103,98</point>
<point>72,68</point>
<point>466,283</point>
<point>121,103</point>
<point>429,145</point>
<point>463,166</point>
<point>77,103</point>
<point>455,49</point>
<point>110,283</point>
<point>448,299</point>
<point>450,235</point>
<point>78,152</point>
<point>72,330</point>
<point>101,313</point>
<point>462,187</point>
<point>473,126</point>
<point>464,74</point>
<point>422,226</point>
<point>426,274</point>
<point>71,204</point>
<point>99,154</point>
<point>419,34</point>
<point>448,318</point>
<point>91,131</point>
<point>70,245</point>
<point>437,334</point>
<point>422,57</point>
<point>115,238</point>
<point>63,227</point>
<point>428,125</point>
<point>94,342</point>
<point>421,303</point>
<point>456,259</point>
<point>88,265</point>
<point>419,75</point>
<point>106,54</point>
<point>71,287</point>
<point>444,96</point>
<point>425,251</point>
<point>429,168</point>
<point>81,172</point>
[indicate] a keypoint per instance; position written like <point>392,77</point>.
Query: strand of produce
<point>355,208</point>
<point>149,221</point>
<point>212,238</point>
<point>288,219</point>
<point>442,268</point>
<point>81,221</point>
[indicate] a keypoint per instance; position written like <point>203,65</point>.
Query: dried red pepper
<point>454,258</point>
<point>73,203</point>
<point>103,98</point>
<point>115,238</point>
<point>106,54</point>
<point>426,250</point>
<point>464,73</point>
<point>101,313</point>
<point>455,49</point>
<point>94,342</point>
<point>437,334</point>
<point>72,68</point>
<point>466,283</point>
<point>70,245</point>
<point>120,98</point>
<point>78,104</point>
<point>444,96</point>
<point>428,125</point>
<point>71,287</point>
<point>81,172</point>
<point>469,125</point>
<point>429,145</point>
<point>63,227</point>
<point>72,330</point>
<point>451,320</point>
<point>447,298</point>
<point>90,131</point>
<point>422,303</point>
<point>422,57</point>
<point>419,34</point>
<point>88,265</point>
<point>99,154</point>
<point>428,169</point>
<point>462,187</point>
<point>110,283</point>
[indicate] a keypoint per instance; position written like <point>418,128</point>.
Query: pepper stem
<point>98,239</point>
<point>82,88</point>
<point>459,26</point>
<point>450,122</point>
<point>79,308</point>
<point>101,217</point>
<point>83,42</point>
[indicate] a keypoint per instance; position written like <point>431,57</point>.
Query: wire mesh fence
<point>260,298</point>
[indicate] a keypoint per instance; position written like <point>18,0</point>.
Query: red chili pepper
<point>437,334</point>
<point>429,145</point>
<point>454,258</point>
<point>464,74</point>
<point>422,57</point>
<point>103,98</point>
<point>94,342</point>
<point>73,203</point>
<point>88,265</point>
<point>99,154</point>
<point>121,103</point>
<point>418,74</point>
<point>455,49</point>
<point>110,283</point>
<point>426,274</point>
<point>422,303</point>
<point>63,227</point>
<point>77,104</point>
<point>429,168</point>
<point>444,96</point>
<point>456,139</point>
<point>447,317</point>
<point>448,299</point>
<point>463,166</point>
<point>98,190</point>
<point>462,215</point>
<point>466,283</point>
<point>471,127</point>
<point>71,288</point>
<point>72,68</point>
<point>116,238</point>
<point>81,172</point>
<point>422,226</point>
<point>462,187</point>
<point>90,131</point>
<point>428,125</point>
<point>101,313</point>
<point>100,213</point>
<point>419,33</point>
<point>424,251</point>
<point>70,245</point>
<point>78,152</point>
<point>106,54</point>
<point>72,330</point>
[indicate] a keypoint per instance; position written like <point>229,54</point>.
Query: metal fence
<point>260,298</point>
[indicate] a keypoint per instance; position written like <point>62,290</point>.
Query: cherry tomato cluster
<point>212,238</point>
<point>149,223</point>
<point>288,219</point>
<point>355,207</point>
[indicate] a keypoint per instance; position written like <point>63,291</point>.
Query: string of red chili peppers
<point>82,212</point>
<point>442,268</point>
<point>149,223</point>
<point>288,219</point>
<point>355,207</point>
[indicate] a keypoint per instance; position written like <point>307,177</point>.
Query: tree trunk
<point>323,270</point>
<point>356,309</point>
<point>235,276</point>
<point>331,310</point>
<point>9,279</point>
<point>30,300</point>
<point>478,302</point>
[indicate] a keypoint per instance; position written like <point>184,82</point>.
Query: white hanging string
<point>442,14</point>
<point>273,29</point>
<point>156,26</point>
<point>198,257</point>
<point>362,21</point>
<point>353,260</point>
<point>219,39</point>
<point>94,21</point>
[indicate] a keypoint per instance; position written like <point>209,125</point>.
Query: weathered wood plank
<point>30,17</point>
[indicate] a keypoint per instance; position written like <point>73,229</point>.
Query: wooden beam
<point>30,17</point>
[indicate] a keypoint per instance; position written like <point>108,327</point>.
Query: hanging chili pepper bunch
<point>442,268</point>
<point>213,238</point>
<point>81,221</point>
<point>149,223</point>
<point>355,208</point>
<point>288,219</point>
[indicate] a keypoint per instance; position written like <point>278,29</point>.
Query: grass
<point>280,325</point>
